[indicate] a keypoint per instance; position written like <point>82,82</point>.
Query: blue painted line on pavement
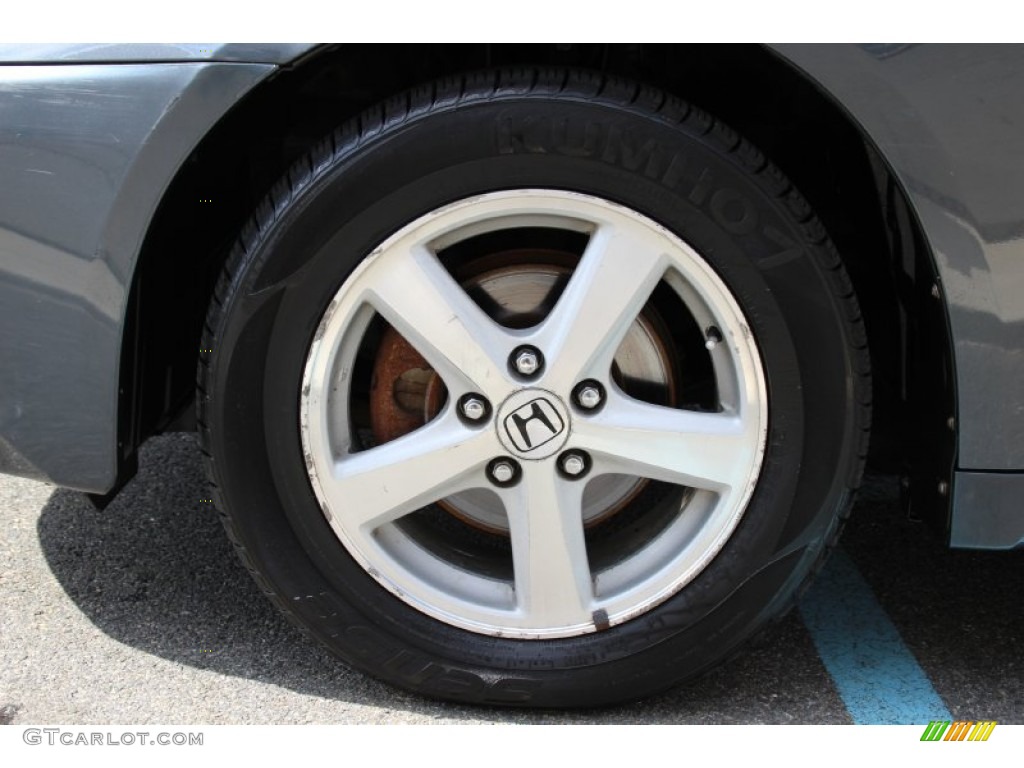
<point>877,676</point>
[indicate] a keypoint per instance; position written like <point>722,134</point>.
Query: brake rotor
<point>405,392</point>
<point>517,289</point>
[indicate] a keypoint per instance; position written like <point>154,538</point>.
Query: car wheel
<point>534,388</point>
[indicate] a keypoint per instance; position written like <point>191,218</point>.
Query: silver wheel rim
<point>367,495</point>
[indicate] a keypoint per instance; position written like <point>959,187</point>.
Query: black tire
<point>612,140</point>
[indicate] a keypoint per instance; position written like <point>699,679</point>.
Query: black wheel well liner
<point>757,93</point>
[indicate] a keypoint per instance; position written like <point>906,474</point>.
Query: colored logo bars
<point>961,730</point>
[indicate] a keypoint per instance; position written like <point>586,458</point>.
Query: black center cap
<point>533,424</point>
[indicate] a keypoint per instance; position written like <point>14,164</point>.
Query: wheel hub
<point>517,288</point>
<point>533,424</point>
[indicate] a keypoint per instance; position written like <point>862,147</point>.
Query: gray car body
<point>91,136</point>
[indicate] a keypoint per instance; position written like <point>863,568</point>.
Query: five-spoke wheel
<point>533,416</point>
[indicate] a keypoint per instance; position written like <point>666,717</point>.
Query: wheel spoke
<point>611,284</point>
<point>552,575</point>
<point>712,451</point>
<point>384,483</point>
<point>416,295</point>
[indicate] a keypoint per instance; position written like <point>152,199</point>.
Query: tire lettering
<point>674,171</point>
<point>409,667</point>
<point>455,682</point>
<point>791,248</point>
<point>519,139</point>
<point>700,190</point>
<point>733,211</point>
<point>510,689</point>
<point>581,143</point>
<point>622,149</point>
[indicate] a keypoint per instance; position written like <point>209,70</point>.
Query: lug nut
<point>573,463</point>
<point>503,471</point>
<point>589,395</point>
<point>473,408</point>
<point>527,361</point>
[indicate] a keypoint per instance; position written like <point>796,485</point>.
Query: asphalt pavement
<point>141,614</point>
